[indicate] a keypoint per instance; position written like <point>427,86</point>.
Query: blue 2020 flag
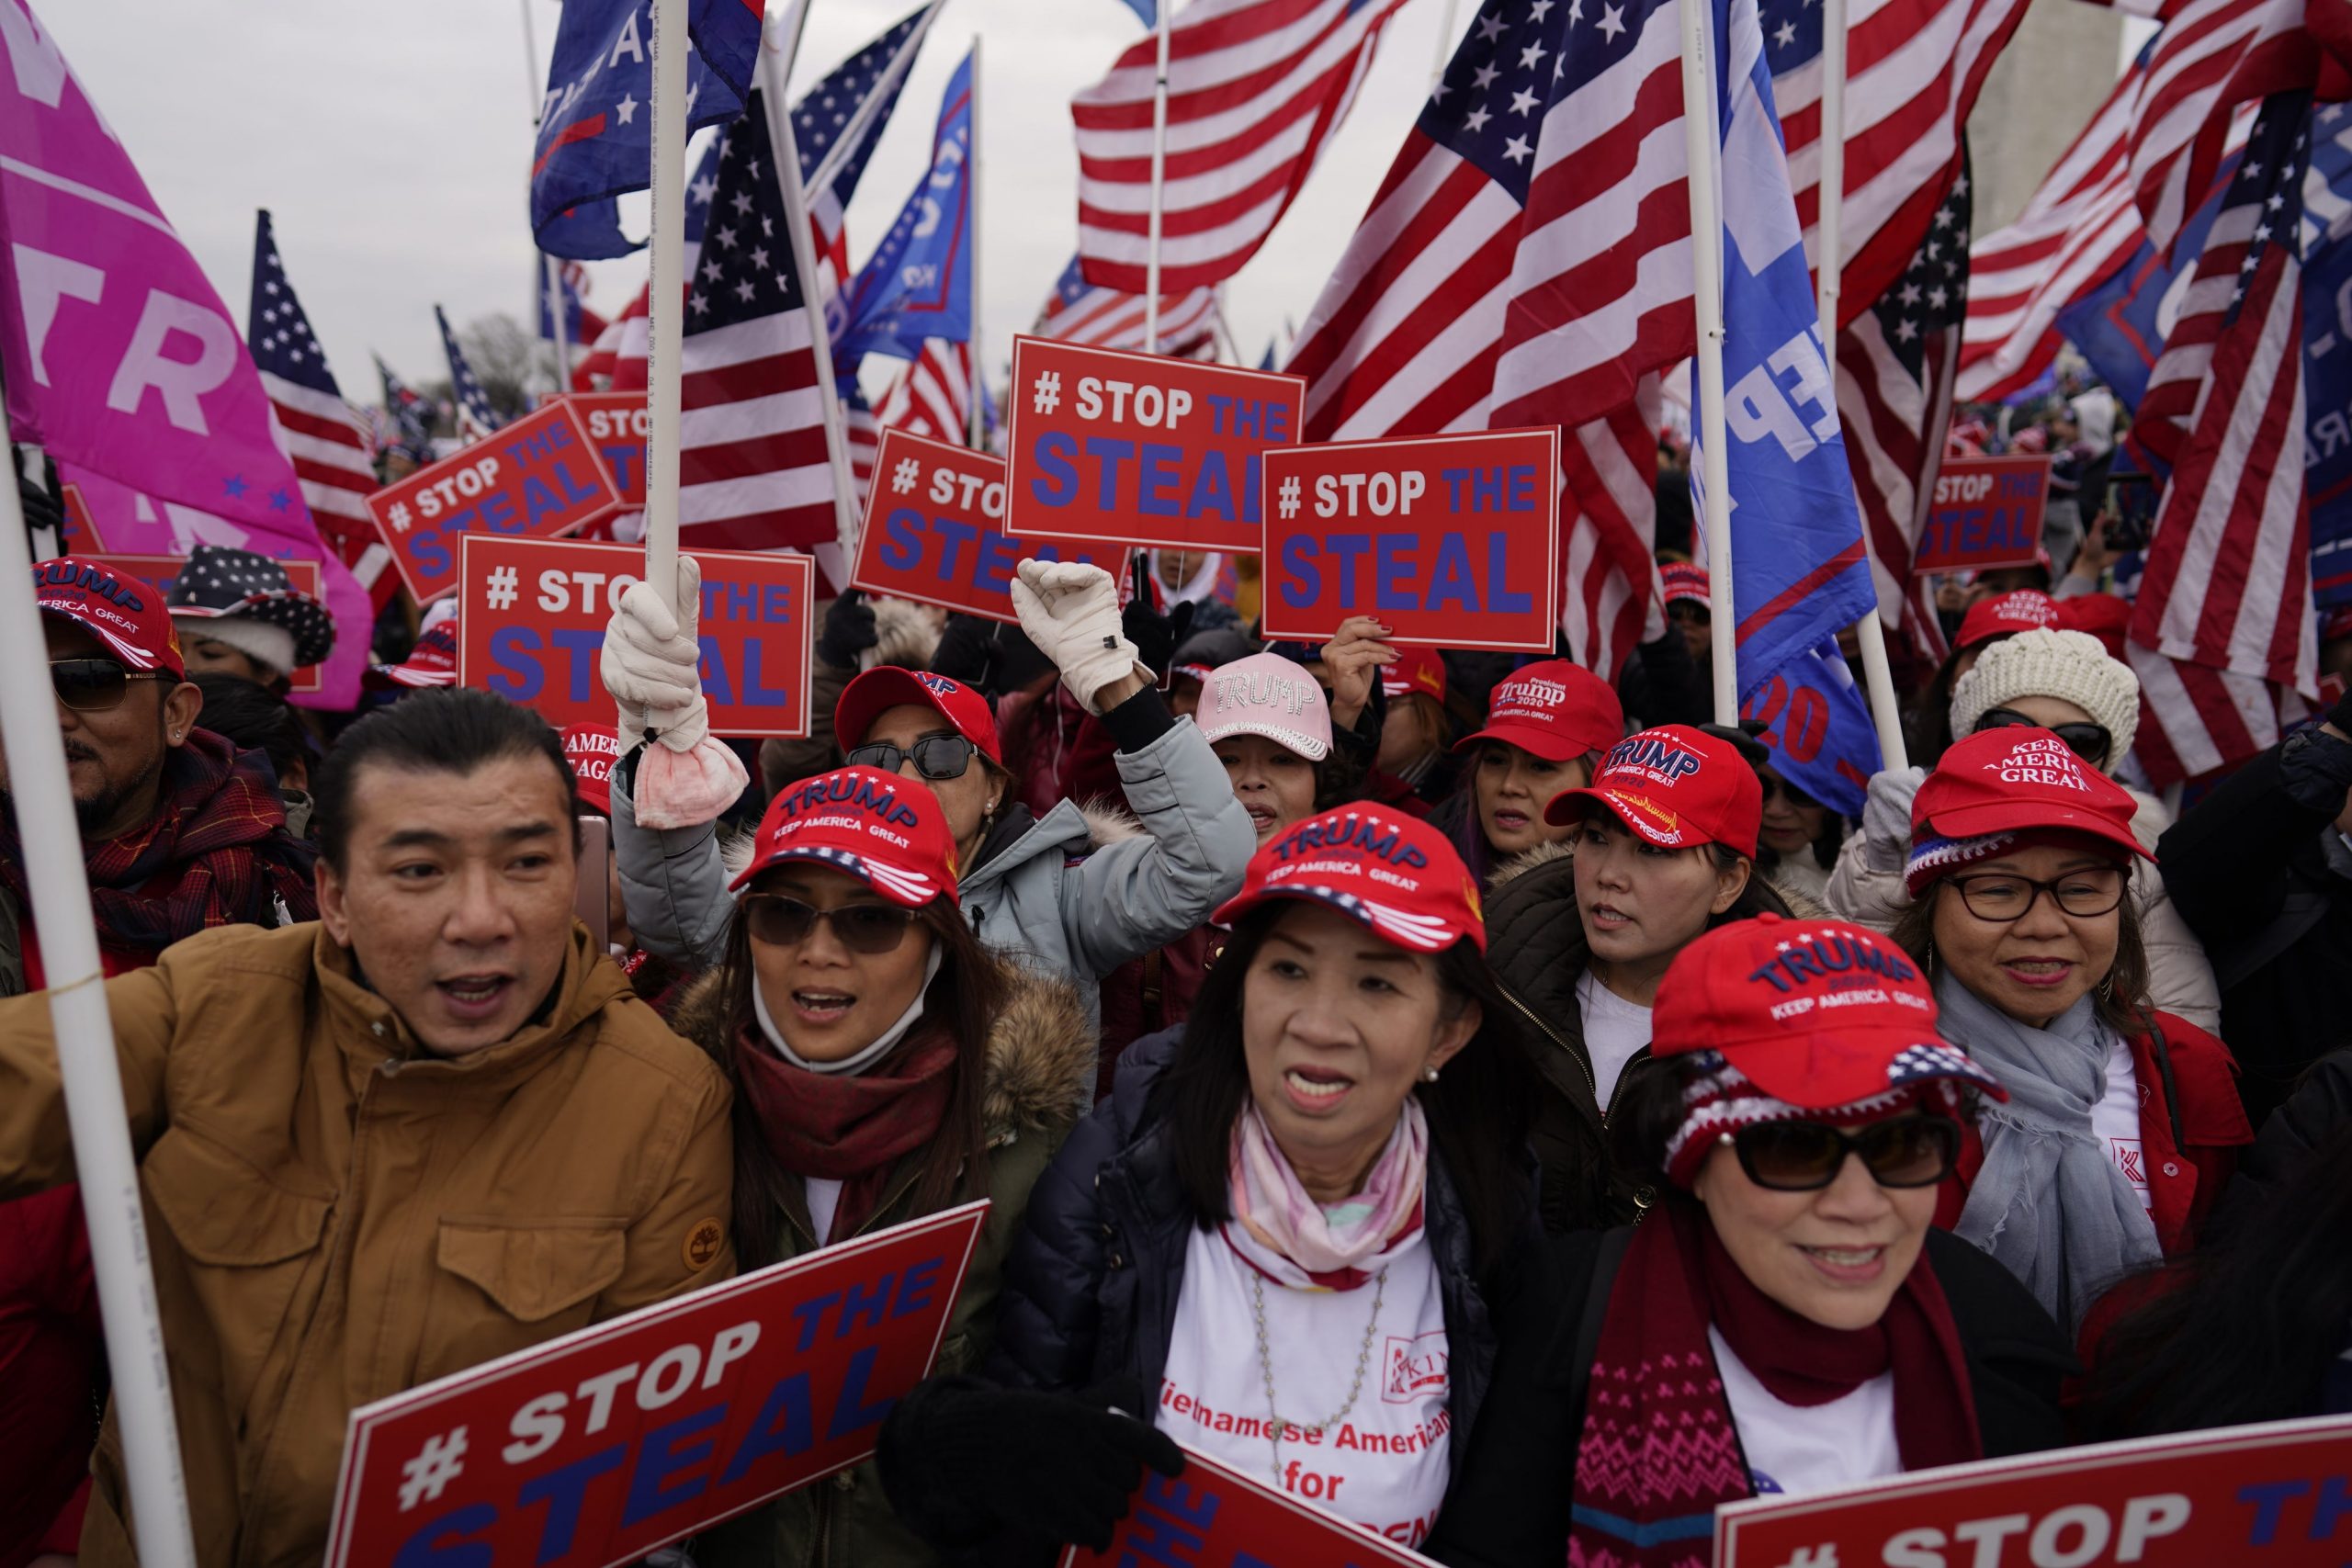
<point>917,283</point>
<point>1818,728</point>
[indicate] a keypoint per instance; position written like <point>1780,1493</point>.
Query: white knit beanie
<point>263,642</point>
<point>2043,663</point>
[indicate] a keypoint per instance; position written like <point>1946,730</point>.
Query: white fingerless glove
<point>652,664</point>
<point>1886,818</point>
<point>1070,611</point>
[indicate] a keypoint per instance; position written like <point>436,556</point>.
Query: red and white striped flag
<point>2212,56</point>
<point>1255,90</point>
<point>863,432</point>
<point>1106,318</point>
<point>2224,619</point>
<point>932,396</point>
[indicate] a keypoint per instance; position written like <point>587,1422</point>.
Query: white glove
<point>1886,818</point>
<point>651,663</point>
<point>1070,611</point>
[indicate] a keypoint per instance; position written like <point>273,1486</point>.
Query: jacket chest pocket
<point>507,1284</point>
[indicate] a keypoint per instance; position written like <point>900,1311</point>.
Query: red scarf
<point>1660,1454</point>
<point>851,1130</point>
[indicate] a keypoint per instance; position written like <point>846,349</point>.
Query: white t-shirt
<point>2115,1121</point>
<point>1614,1030</point>
<point>1795,1448</point>
<point>824,1196</point>
<point>1384,1465</point>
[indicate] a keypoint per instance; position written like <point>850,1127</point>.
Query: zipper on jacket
<point>1583,1063</point>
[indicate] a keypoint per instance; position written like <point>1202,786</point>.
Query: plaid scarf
<point>850,1129</point>
<point>215,853</point>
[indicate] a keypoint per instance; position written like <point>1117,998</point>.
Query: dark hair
<point>451,729</point>
<point>253,718</point>
<point>1477,1111</point>
<point>2122,1006</point>
<point>968,994</point>
<point>2244,1329</point>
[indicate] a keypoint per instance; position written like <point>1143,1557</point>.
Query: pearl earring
<point>1429,1076</point>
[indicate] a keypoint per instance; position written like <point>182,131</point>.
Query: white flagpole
<point>550,278</point>
<point>665,297</point>
<point>776,70</point>
<point>1159,180</point>
<point>96,1118</point>
<point>977,422</point>
<point>1870,634</point>
<point>1702,142</point>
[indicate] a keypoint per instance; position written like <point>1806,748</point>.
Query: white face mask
<point>850,1066</point>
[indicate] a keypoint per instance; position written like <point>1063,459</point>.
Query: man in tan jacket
<point>432,1128</point>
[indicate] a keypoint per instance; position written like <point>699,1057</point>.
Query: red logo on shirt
<point>1417,1369</point>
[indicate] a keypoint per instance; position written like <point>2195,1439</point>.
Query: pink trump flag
<point>118,356</point>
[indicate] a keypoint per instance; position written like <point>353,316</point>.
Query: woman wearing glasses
<point>886,1067</point>
<point>2123,1123</point>
<point>1796,844</point>
<point>1813,1327</point>
<point>2063,682</point>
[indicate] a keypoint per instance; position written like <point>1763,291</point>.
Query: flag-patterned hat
<point>218,582</point>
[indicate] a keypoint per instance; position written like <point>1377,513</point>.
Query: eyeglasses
<point>2091,742</point>
<point>1782,789</point>
<point>94,685</point>
<point>780,921</point>
<point>2001,897</point>
<point>941,755</point>
<point>1806,1157</point>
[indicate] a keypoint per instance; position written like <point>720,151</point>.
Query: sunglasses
<point>1804,1157</point>
<point>781,921</point>
<point>2091,742</point>
<point>941,755</point>
<point>1782,789</point>
<point>94,685</point>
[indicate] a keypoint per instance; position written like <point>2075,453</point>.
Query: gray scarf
<point>2048,1204</point>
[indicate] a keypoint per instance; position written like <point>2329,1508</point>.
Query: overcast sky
<point>392,144</point>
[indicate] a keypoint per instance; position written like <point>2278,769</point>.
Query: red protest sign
<point>538,477</point>
<point>618,424</point>
<point>1213,1516</point>
<point>79,534</point>
<point>2267,1497</point>
<point>598,1446</point>
<point>157,572</point>
<point>1453,540</point>
<point>1134,450</point>
<point>531,616</point>
<point>934,530</point>
<point>1987,515</point>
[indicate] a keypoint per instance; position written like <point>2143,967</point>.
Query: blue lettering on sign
<point>1212,492</point>
<point>1000,559</point>
<point>1392,588</point>
<point>434,1544</point>
<point>757,692</point>
<point>1108,453</point>
<point>956,534</point>
<point>658,1458</point>
<point>1054,452</point>
<point>1157,473</point>
<point>1170,1523</point>
<point>718,684</point>
<point>514,671</point>
<point>1301,585</point>
<point>626,461</point>
<point>901,549</point>
<point>1453,579</point>
<point>1450,579</point>
<point>584,647</point>
<point>565,1490</point>
<point>2270,1498</point>
<point>784,1427</point>
<point>851,1413</point>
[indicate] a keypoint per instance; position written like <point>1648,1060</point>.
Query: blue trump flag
<point>2327,354</point>
<point>917,283</point>
<point>596,125</point>
<point>1818,729</point>
<point>726,33</point>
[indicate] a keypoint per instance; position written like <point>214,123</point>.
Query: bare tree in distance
<point>512,365</point>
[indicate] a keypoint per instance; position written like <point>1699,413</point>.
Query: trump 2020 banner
<point>531,617</point>
<point>2267,1496</point>
<point>934,530</point>
<point>1452,541</point>
<point>596,1448</point>
<point>1134,450</point>
<point>1215,1517</point>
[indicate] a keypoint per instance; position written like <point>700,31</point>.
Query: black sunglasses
<point>781,921</point>
<point>1782,789</point>
<point>2091,742</point>
<point>1804,1157</point>
<point>941,755</point>
<point>94,685</point>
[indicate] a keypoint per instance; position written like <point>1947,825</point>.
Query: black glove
<point>965,650</point>
<point>1155,636</point>
<point>41,507</point>
<point>1743,741</point>
<point>849,631</point>
<point>963,1462</point>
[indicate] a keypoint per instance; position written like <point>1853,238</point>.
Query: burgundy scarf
<point>1660,1454</point>
<point>213,853</point>
<point>851,1130</point>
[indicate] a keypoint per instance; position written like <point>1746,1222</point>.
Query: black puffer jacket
<point>1091,1288</point>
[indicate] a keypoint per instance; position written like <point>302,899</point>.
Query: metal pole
<point>977,433</point>
<point>1703,143</point>
<point>665,297</point>
<point>1159,179</point>
<point>553,271</point>
<point>95,1115</point>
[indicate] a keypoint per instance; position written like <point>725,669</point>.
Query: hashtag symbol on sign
<point>1289,493</point>
<point>501,590</point>
<point>903,476</point>
<point>440,1461</point>
<point>1049,392</point>
<point>1823,1556</point>
<point>398,518</point>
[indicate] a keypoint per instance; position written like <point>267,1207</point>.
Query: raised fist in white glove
<point>1886,818</point>
<point>651,663</point>
<point>1070,611</point>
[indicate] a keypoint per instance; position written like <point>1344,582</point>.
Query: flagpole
<point>1444,44</point>
<point>665,298</point>
<point>1870,632</point>
<point>1158,181</point>
<point>97,1124</point>
<point>1704,145</point>
<point>777,69</point>
<point>553,271</point>
<point>978,435</point>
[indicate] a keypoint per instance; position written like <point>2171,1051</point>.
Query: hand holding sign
<point>1353,660</point>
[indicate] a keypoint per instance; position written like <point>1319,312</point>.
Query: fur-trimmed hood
<point>1041,1060</point>
<point>1520,864</point>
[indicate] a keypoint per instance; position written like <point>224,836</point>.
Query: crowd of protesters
<point>1282,1001</point>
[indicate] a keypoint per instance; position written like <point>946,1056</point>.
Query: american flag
<point>932,396</point>
<point>1255,90</point>
<point>1106,318</point>
<point>407,413</point>
<point>863,432</point>
<point>836,126</point>
<point>2224,607</point>
<point>2212,56</point>
<point>1913,71</point>
<point>1895,367</point>
<point>475,417</point>
<point>324,438</point>
<point>1408,337</point>
<point>752,469</point>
